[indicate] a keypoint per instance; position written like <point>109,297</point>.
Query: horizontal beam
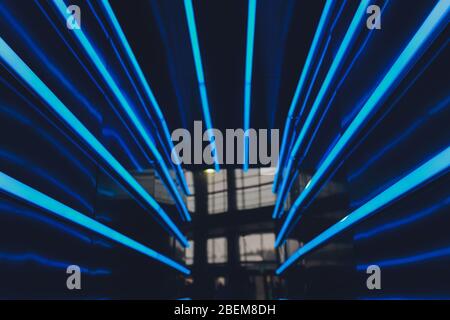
<point>437,165</point>
<point>26,193</point>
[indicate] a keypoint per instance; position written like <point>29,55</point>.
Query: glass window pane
<point>251,181</point>
<point>255,188</point>
<point>266,179</point>
<point>190,202</point>
<point>218,202</point>
<point>217,192</point>
<point>240,200</point>
<point>217,250</point>
<point>257,247</point>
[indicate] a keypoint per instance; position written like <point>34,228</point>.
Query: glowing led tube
<point>190,17</point>
<point>16,64</point>
<point>140,75</point>
<point>416,46</point>
<point>95,58</point>
<point>301,82</point>
<point>30,195</point>
<point>248,77</point>
<point>353,30</point>
<point>437,165</point>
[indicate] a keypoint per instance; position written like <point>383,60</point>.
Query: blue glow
<point>104,218</point>
<point>28,76</point>
<point>354,59</point>
<point>409,55</point>
<point>317,128</point>
<point>111,133</point>
<point>433,110</point>
<point>49,65</point>
<point>281,198</point>
<point>63,151</point>
<point>301,82</point>
<point>279,204</point>
<point>338,59</point>
<point>405,133</point>
<point>146,86</point>
<point>94,81</point>
<point>311,85</point>
<point>401,222</point>
<point>279,208</point>
<point>360,51</point>
<point>41,174</point>
<point>248,76</point>
<point>190,16</point>
<point>34,197</point>
<point>86,44</point>
<point>417,258</point>
<point>437,165</point>
<point>338,15</point>
<point>105,96</point>
<point>131,80</point>
<point>36,258</point>
<point>57,30</point>
<point>352,31</point>
<point>39,217</point>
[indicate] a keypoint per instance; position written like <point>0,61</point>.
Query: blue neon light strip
<point>417,216</point>
<point>38,259</point>
<point>43,175</point>
<point>416,46</point>
<point>56,28</point>
<point>439,164</point>
<point>30,195</point>
<point>144,82</point>
<point>281,198</point>
<point>417,258</point>
<point>338,59</point>
<point>23,120</point>
<point>16,64</point>
<point>190,17</point>
<point>31,214</point>
<point>36,49</point>
<point>86,44</point>
<point>248,76</point>
<point>301,82</point>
